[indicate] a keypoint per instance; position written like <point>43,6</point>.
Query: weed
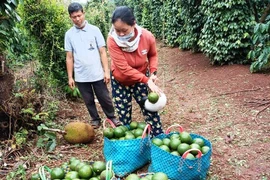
<point>19,173</point>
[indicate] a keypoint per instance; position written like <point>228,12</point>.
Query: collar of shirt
<point>85,28</point>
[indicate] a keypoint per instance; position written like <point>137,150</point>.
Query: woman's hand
<point>154,78</point>
<point>153,87</point>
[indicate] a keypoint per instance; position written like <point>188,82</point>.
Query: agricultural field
<point>216,81</point>
<point>225,104</point>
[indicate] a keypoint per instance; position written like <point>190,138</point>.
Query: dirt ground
<point>6,86</point>
<point>227,105</point>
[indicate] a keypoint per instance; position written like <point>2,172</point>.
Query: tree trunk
<point>253,8</point>
<point>265,14</point>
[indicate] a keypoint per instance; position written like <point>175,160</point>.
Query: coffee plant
<point>193,21</point>
<point>260,54</point>
<point>226,34</point>
<point>99,14</point>
<point>157,23</point>
<point>173,26</point>
<point>146,15</point>
<point>220,29</point>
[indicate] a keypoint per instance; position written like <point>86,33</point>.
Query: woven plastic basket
<point>128,155</point>
<point>178,167</point>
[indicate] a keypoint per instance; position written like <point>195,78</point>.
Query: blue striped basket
<point>127,155</point>
<point>177,167</point>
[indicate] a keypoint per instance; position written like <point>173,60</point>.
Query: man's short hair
<point>74,7</point>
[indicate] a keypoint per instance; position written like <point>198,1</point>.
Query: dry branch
<point>234,92</point>
<point>266,107</point>
<point>257,102</point>
<point>54,130</point>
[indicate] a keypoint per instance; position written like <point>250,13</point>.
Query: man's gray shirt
<point>84,45</point>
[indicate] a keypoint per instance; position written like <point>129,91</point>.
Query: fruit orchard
<point>213,68</point>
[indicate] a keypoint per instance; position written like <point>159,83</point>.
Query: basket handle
<point>172,126</point>
<point>108,169</point>
<point>147,127</point>
<point>186,153</point>
<point>110,122</point>
<point>41,172</point>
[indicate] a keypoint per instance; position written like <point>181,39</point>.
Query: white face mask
<point>126,37</point>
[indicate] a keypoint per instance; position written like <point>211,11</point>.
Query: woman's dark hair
<point>125,14</point>
<point>74,7</point>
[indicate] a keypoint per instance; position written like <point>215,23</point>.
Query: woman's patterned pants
<point>122,97</point>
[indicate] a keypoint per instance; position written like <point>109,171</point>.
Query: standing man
<point>86,56</point>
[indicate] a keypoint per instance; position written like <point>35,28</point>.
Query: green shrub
<point>225,37</point>
<point>193,21</point>
<point>8,19</point>
<point>99,14</point>
<point>220,29</point>
<point>47,21</point>
<point>173,25</point>
<point>156,20</point>
<point>146,15</point>
<point>136,5</point>
<point>260,54</point>
<point>19,48</point>
<point>162,18</point>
